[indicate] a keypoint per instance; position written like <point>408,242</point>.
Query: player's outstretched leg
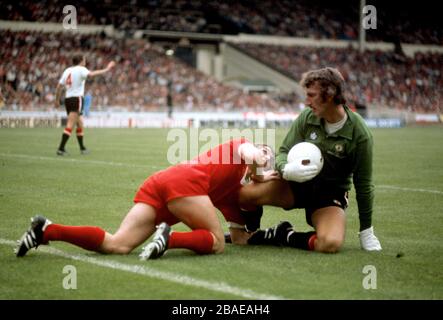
<point>136,227</point>
<point>33,237</point>
<point>159,244</point>
<point>42,231</point>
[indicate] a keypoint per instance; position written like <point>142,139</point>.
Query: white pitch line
<point>129,165</point>
<point>409,189</point>
<point>67,159</point>
<point>153,273</point>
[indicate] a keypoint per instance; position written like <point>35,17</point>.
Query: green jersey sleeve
<point>362,179</point>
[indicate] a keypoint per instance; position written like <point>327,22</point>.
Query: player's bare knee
<point>329,244</point>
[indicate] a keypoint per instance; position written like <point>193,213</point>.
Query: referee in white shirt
<point>73,79</point>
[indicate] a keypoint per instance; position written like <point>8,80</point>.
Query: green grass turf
<point>98,189</point>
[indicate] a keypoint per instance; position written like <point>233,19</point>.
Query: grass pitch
<point>98,189</point>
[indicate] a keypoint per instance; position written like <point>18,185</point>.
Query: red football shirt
<point>225,170</point>
<point>217,173</point>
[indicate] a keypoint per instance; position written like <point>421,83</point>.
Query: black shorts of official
<point>74,104</point>
<point>311,196</point>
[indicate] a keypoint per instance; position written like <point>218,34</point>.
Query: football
<point>306,153</point>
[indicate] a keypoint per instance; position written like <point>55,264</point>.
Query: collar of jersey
<point>345,132</point>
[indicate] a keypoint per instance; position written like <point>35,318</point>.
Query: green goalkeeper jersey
<point>347,155</point>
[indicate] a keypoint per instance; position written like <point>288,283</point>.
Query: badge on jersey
<point>313,135</point>
<point>339,148</point>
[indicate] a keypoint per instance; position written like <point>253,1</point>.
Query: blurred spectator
<point>2,99</point>
<point>87,104</point>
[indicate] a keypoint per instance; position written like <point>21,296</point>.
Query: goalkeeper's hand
<point>368,240</point>
<point>298,172</point>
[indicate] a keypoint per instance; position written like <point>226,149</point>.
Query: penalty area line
<point>157,274</point>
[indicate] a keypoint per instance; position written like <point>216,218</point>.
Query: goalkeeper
<point>346,144</point>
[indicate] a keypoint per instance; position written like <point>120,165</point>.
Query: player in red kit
<point>188,192</point>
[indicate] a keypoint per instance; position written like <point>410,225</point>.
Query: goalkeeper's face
<point>316,101</point>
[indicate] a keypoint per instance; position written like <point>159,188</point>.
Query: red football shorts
<point>179,181</point>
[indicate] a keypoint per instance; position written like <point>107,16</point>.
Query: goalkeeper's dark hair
<point>331,82</point>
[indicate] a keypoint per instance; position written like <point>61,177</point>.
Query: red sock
<point>86,237</point>
<point>199,241</point>
<point>311,242</point>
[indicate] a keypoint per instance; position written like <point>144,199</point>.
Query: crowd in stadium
<point>32,63</point>
<point>373,77</point>
<point>303,18</point>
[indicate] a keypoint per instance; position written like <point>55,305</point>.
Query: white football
<point>306,153</point>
